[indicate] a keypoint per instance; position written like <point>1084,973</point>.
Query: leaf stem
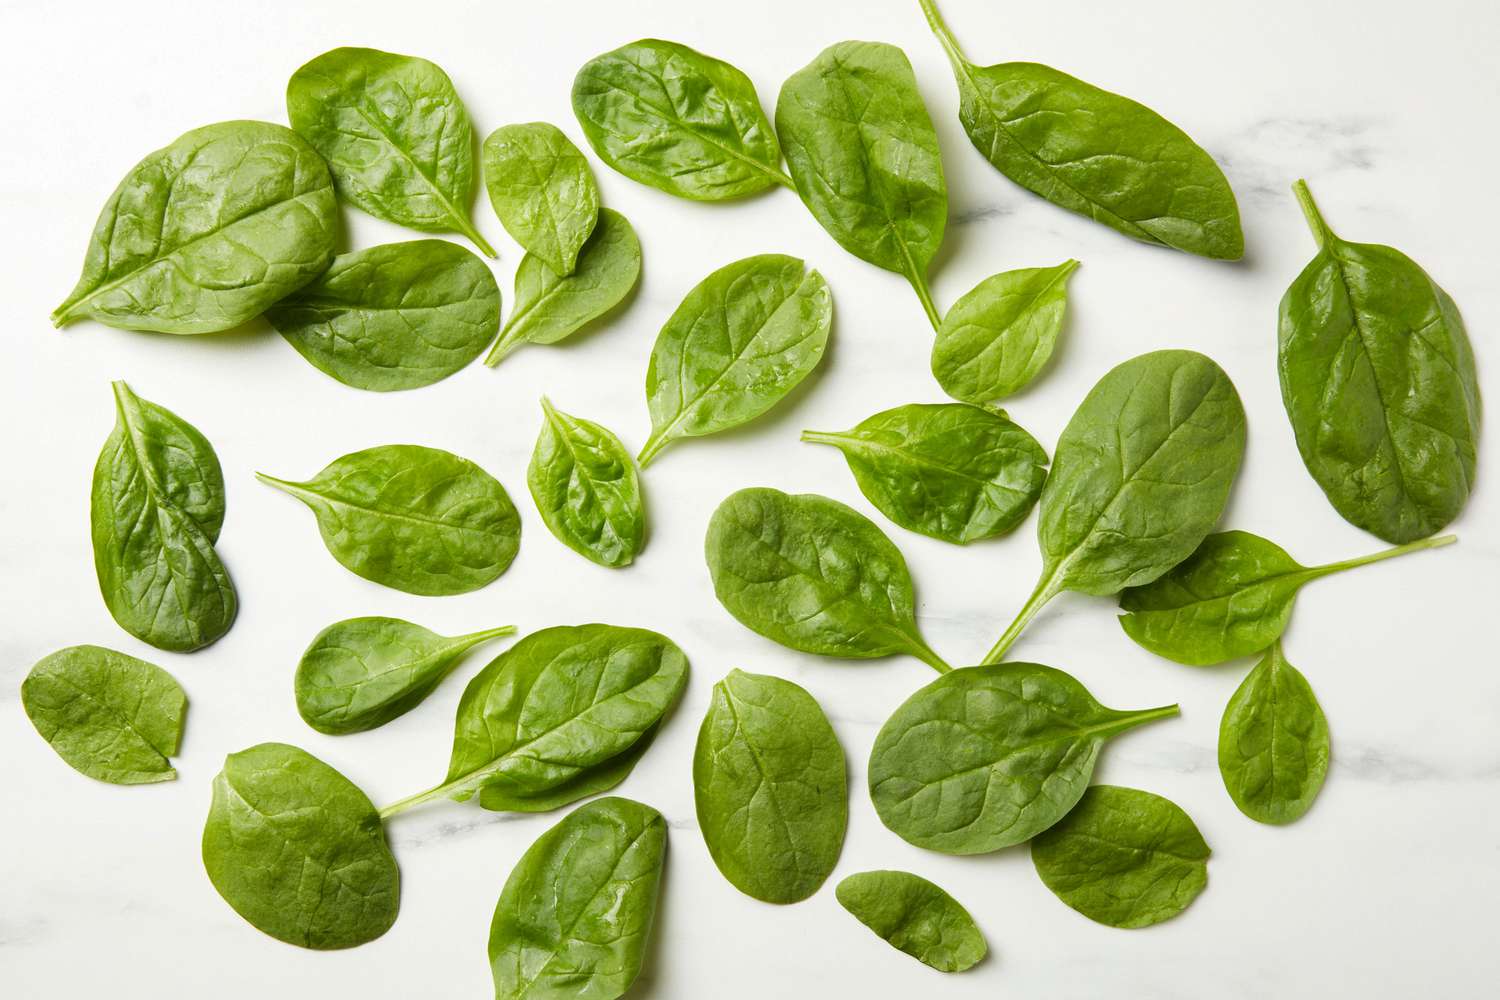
<point>1315,222</point>
<point>919,284</point>
<point>475,638</point>
<point>927,655</point>
<point>781,178</point>
<point>1043,593</point>
<point>466,226</point>
<point>503,346</point>
<point>1152,714</point>
<point>824,437</point>
<point>401,805</point>
<point>654,444</point>
<point>940,29</point>
<point>1399,550</point>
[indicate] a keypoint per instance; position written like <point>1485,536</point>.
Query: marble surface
<point>1384,890</point>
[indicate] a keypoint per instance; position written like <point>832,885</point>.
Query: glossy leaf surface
<point>1273,742</point>
<point>586,489</point>
<point>999,336</point>
<point>914,916</point>
<point>543,191</point>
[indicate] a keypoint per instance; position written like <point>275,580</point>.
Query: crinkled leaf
<point>916,917</point>
<point>586,489</point>
<point>1273,742</point>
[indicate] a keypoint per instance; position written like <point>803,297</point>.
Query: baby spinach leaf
<point>591,781</point>
<point>110,716</point>
<point>680,121</point>
<point>1273,742</point>
<point>770,787</point>
<point>1123,857</point>
<point>550,307</point>
<point>1378,378</point>
<point>986,757</point>
<point>996,339</point>
<point>1095,153</point>
<point>949,470</point>
<point>574,919</point>
<point>555,706</point>
<point>865,158</point>
<point>395,135</point>
<point>586,489</point>
<point>813,575</point>
<point>417,519</point>
<point>543,191</point>
<point>397,316</point>
<point>914,916</point>
<point>205,234</point>
<point>361,673</point>
<point>743,338</point>
<point>1139,478</point>
<point>1230,598</point>
<point>298,850</point>
<point>155,511</point>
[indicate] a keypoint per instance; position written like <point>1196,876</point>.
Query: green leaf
<point>770,787</point>
<point>1273,742</point>
<point>987,757</point>
<point>865,157</point>
<point>956,472</point>
<point>1139,478</point>
<point>110,716</point>
<point>1378,378</point>
<point>554,707</point>
<point>543,191</point>
<point>742,339</point>
<point>996,339</point>
<point>1123,857</point>
<point>1095,153</point>
<point>361,673</point>
<point>813,575</point>
<point>206,233</point>
<point>298,850</point>
<point>916,917</point>
<point>586,489</point>
<point>155,510</point>
<point>550,307</point>
<point>574,919</point>
<point>417,519</point>
<point>591,781</point>
<point>395,135</point>
<point>397,316</point>
<point>1230,598</point>
<point>680,121</point>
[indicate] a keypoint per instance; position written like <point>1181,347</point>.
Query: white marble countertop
<point>1385,889</point>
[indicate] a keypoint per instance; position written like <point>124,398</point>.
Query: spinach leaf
<point>742,339</point>
<point>298,850</point>
<point>590,781</point>
<point>110,716</point>
<point>417,519</point>
<point>550,307</point>
<point>574,919</point>
<point>1095,153</point>
<point>680,121</point>
<point>361,673</point>
<point>1378,378</point>
<point>586,489</point>
<point>397,316</point>
<point>1123,857</point>
<point>1139,478</point>
<point>155,510</point>
<point>770,787</point>
<point>949,470</point>
<point>542,190</point>
<point>986,757</point>
<point>865,158</point>
<point>395,135</point>
<point>1230,598</point>
<point>1273,742</point>
<point>813,575</point>
<point>916,917</point>
<point>555,706</point>
<point>996,339</point>
<point>205,234</point>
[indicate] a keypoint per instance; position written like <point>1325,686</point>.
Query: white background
<point>1385,889</point>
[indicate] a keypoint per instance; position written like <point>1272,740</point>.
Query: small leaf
<point>543,191</point>
<point>586,489</point>
<point>996,339</point>
<point>1273,742</point>
<point>915,916</point>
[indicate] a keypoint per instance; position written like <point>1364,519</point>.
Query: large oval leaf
<point>915,916</point>
<point>205,234</point>
<point>770,787</point>
<point>586,489</point>
<point>1273,742</point>
<point>986,757</point>
<point>543,191</point>
<point>417,519</point>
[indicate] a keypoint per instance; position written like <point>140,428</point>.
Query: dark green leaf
<point>952,471</point>
<point>591,781</point>
<point>986,757</point>
<point>1273,742</point>
<point>586,489</point>
<point>205,234</point>
<point>770,787</point>
<point>397,316</point>
<point>298,850</point>
<point>543,191</point>
<point>574,919</point>
<point>915,916</point>
<point>110,716</point>
<point>1123,857</point>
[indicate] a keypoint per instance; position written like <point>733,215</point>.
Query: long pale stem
<point>1399,550</point>
<point>401,805</point>
<point>1044,592</point>
<point>1320,229</point>
<point>924,294</point>
<point>940,29</point>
